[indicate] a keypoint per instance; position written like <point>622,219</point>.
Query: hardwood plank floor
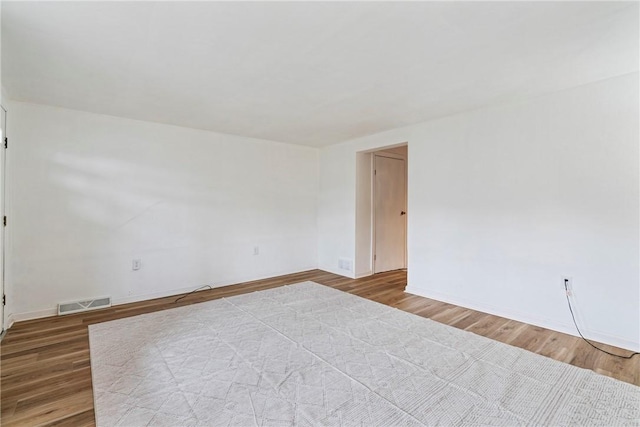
<point>46,375</point>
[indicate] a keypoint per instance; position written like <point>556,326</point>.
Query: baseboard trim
<point>364,274</point>
<point>30,315</point>
<point>39,314</point>
<point>343,273</point>
<point>10,322</point>
<point>526,318</point>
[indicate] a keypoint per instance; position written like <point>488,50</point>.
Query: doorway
<point>381,210</point>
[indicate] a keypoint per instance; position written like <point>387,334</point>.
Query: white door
<point>3,126</point>
<point>390,219</point>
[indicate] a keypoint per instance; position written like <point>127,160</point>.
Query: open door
<point>3,127</point>
<point>390,219</point>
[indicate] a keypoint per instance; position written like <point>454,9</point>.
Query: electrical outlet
<point>136,264</point>
<point>256,250</point>
<point>567,284</point>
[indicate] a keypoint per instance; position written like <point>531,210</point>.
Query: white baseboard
<point>30,315</point>
<point>526,318</point>
<point>10,321</point>
<point>364,274</point>
<point>343,273</point>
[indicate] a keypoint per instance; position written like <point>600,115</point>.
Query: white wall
<point>336,209</point>
<point>91,192</point>
<point>505,201</point>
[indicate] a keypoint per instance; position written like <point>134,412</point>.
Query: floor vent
<point>78,306</point>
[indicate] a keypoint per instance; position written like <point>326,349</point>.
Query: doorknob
<point>403,213</point>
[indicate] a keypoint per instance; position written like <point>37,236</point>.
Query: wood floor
<point>46,374</point>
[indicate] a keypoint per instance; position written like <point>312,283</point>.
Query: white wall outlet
<point>136,264</point>
<point>567,284</point>
<point>256,250</point>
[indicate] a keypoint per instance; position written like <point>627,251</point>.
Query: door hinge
<point>375,171</point>
<point>374,257</point>
<point>6,142</point>
<point>4,221</point>
<point>4,300</point>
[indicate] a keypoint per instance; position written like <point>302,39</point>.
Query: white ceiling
<point>308,72</point>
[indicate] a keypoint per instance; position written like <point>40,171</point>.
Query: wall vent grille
<point>345,264</point>
<point>78,306</point>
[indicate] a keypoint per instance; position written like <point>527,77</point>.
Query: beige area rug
<point>309,355</point>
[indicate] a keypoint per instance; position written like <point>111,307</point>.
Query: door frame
<point>363,200</point>
<point>3,236</point>
<point>389,155</point>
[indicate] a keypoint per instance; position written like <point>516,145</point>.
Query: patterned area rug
<point>309,355</point>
